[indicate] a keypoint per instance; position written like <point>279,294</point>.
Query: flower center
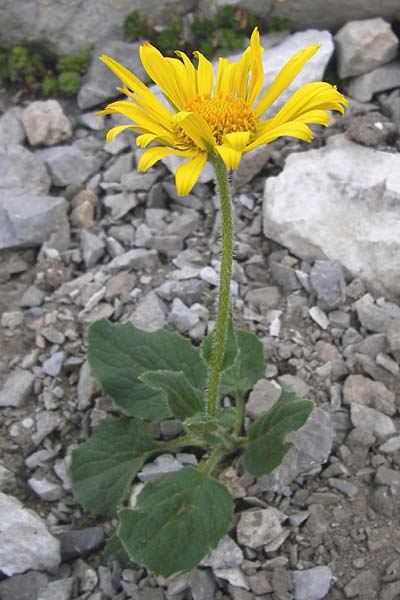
<point>224,114</point>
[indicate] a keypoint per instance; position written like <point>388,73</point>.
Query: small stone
<point>135,259</point>
<point>226,554</point>
<point>312,584</point>
<point>391,446</point>
<point>318,315</point>
<point>202,585</point>
<point>364,87</point>
<point>11,129</point>
<point>263,298</point>
<point>363,585</point>
<point>393,337</point>
<point>389,477</point>
<point>45,489</point>
<point>285,276</point>
<point>53,365</point>
<point>25,541</point>
<point>120,204</point>
<point>383,360</point>
<point>376,317</point>
<point>88,387</point>
<point>181,317</point>
<point>346,487</point>
<point>92,248</point>
<point>327,281</point>
<point>32,297</point>
<point>259,583</point>
<point>362,390</point>
<point>295,385</point>
<point>16,388</point>
<point>262,398</point>
<point>369,419</point>
<point>12,319</point>
<point>231,480</point>
<point>23,587</point>
<point>361,46</point>
<point>234,575</point>
<point>45,123</point>
<point>371,130</point>
<point>160,467</point>
<point>57,590</point>
<point>7,480</point>
<point>68,165</point>
<point>149,314</point>
<point>258,527</point>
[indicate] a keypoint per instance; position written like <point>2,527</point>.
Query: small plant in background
<point>161,375</point>
<point>18,65</point>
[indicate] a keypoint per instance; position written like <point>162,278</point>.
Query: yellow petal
<point>238,140</point>
<point>134,84</point>
<point>285,78</point>
<point>153,155</point>
<point>205,74</point>
<point>139,116</point>
<point>188,173</point>
<point>256,67</point>
<point>190,75</point>
<point>229,155</point>
<point>145,139</point>
<point>240,76</point>
<point>223,65</point>
<point>196,128</point>
<point>160,71</point>
<point>114,131</point>
<point>294,129</point>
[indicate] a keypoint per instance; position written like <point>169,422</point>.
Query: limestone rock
<point>386,77</point>
<point>20,169</point>
<point>25,540</point>
<point>68,165</point>
<point>361,46</point>
<point>16,388</point>
<point>333,214</point>
<point>11,128</point>
<point>45,123</point>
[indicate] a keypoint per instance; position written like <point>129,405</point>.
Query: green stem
<point>180,442</point>
<point>221,325</point>
<point>215,457</point>
<point>240,412</point>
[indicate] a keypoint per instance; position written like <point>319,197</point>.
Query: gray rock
<point>369,419</point>
<point>226,554</point>
<point>150,313</point>
<point>53,365</point>
<point>28,219</point>
<point>371,130</point>
<point>68,165</point>
<point>319,316</point>
<point>285,276</point>
<point>202,585</point>
<point>312,584</point>
<point>45,489</point>
<point>162,466</point>
<point>391,446</point>
<point>7,479</point>
<point>181,317</point>
<point>92,248</point>
<point>60,589</point>
<point>25,540</point>
<point>76,543</point>
<point>11,128</point>
<point>341,184</point>
<point>259,527</point>
<point>291,383</point>
<point>120,204</point>
<point>327,281</point>
<point>389,477</point>
<point>374,394</point>
<point>390,104</point>
<point>32,296</point>
<point>364,87</point>
<point>45,123</point>
<point>346,487</point>
<point>263,298</point>
<point>23,587</point>
<point>16,388</point>
<point>92,121</point>
<point>69,27</point>
<point>20,169</point>
<point>376,317</point>
<point>262,398</point>
<point>87,387</point>
<point>361,46</point>
<point>100,83</point>
<point>135,259</point>
<point>311,447</point>
<point>393,337</point>
<point>363,585</point>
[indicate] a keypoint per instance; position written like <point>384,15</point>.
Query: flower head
<point>219,115</point>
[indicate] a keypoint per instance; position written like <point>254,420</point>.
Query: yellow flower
<point>221,117</point>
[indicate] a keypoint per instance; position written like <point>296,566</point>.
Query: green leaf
<point>183,399</point>
<point>104,467</point>
<point>114,550</point>
<point>176,523</point>
<point>267,434</point>
<point>248,366</point>
<point>119,353</point>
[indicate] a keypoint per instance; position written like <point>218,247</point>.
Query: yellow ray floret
<point>217,115</point>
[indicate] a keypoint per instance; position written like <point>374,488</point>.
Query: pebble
<point>160,467</point>
<point>226,554</point>
<point>53,365</point>
<point>181,317</point>
<point>60,589</point>
<point>202,585</point>
<point>369,419</point>
<point>16,388</point>
<point>259,527</point>
<point>327,281</point>
<point>318,315</point>
<point>312,584</point>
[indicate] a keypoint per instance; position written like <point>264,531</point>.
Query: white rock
<point>234,575</point>
<point>258,527</point>
<point>333,213</point>
<point>226,554</point>
<point>16,388</point>
<point>312,584</point>
<point>45,123</point>
<point>25,541</point>
<point>363,87</point>
<point>11,128</point>
<point>150,313</point>
<point>369,419</point>
<point>364,45</point>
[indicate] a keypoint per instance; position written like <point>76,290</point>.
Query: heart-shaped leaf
<point>176,523</point>
<point>119,353</point>
<point>103,468</point>
<point>267,434</point>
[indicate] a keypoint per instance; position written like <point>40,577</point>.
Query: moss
<point>19,65</point>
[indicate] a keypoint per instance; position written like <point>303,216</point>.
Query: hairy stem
<point>221,325</point>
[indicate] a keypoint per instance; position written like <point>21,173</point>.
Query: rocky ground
<point>84,236</point>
